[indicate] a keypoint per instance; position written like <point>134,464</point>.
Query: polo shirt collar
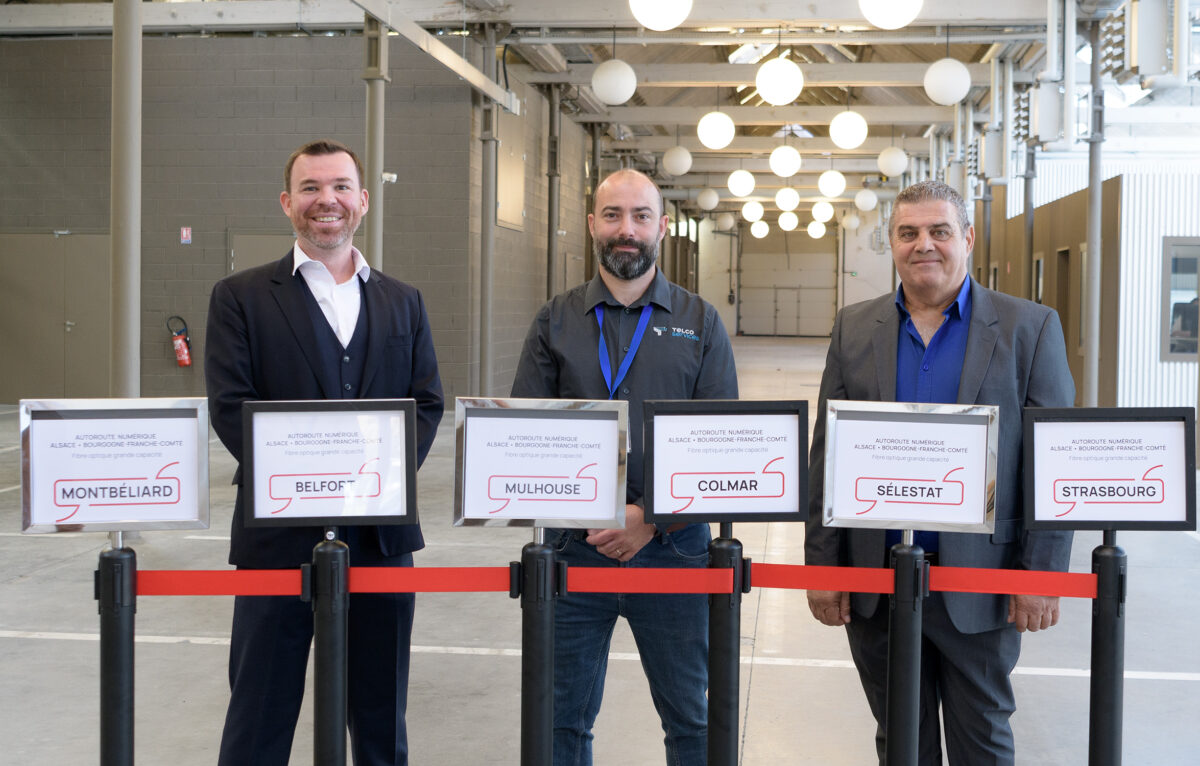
<point>658,293</point>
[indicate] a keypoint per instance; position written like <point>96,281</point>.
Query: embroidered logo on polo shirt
<point>677,332</point>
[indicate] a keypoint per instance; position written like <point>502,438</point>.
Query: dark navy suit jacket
<point>261,344</point>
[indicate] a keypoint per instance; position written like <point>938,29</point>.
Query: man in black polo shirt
<point>629,334</point>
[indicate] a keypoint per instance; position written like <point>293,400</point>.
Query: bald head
<point>627,181</point>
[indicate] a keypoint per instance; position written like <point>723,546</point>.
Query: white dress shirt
<point>339,303</point>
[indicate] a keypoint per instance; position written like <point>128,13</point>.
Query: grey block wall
<point>220,117</point>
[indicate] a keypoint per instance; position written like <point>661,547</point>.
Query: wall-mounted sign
<point>330,462</point>
<point>891,465</point>
<point>726,461</point>
<point>1110,468</point>
<point>110,465</point>
<point>543,462</point>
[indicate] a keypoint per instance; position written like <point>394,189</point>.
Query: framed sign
<point>113,465</point>
<point>892,465</point>
<point>726,461</point>
<point>540,462</point>
<point>329,462</point>
<point>1110,468</point>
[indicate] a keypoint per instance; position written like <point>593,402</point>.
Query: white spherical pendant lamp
<point>892,161</point>
<point>851,222</point>
<point>759,229</point>
<point>890,14</point>
<point>660,15</point>
<point>822,211</point>
<point>677,161</point>
<point>708,199</point>
<point>848,130</point>
<point>788,221</point>
<point>725,221</point>
<point>866,200</point>
<point>947,81</point>
<point>614,82</point>
<point>715,130</point>
<point>753,211</point>
<point>785,161</point>
<point>816,229</point>
<point>779,81</point>
<point>787,198</point>
<point>741,183</point>
<point>831,183</point>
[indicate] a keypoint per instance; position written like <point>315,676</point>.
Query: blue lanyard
<point>605,364</point>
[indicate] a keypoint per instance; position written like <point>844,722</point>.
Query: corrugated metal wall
<point>1164,203</point>
<point>1159,199</point>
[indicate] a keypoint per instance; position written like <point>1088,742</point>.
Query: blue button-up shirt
<point>930,373</point>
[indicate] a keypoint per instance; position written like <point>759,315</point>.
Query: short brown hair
<point>931,191</point>
<point>316,149</point>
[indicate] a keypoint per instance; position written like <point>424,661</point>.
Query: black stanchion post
<point>330,589</point>
<point>116,590</point>
<point>724,651</point>
<point>904,651</point>
<point>1108,653</point>
<point>539,584</point>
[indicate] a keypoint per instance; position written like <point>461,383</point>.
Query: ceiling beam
<point>266,15</point>
<point>733,75</point>
<point>439,52</point>
<point>776,115</point>
<point>815,166</point>
<point>765,144</point>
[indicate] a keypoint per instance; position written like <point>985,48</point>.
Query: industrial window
<point>1181,299</point>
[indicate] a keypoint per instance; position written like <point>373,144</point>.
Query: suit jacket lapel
<point>883,343</point>
<point>377,329</point>
<point>981,342</point>
<point>288,291</point>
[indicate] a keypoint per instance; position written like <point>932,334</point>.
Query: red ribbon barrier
<point>220,582</point>
<point>286,582</point>
<point>851,579</point>
<point>647,580</point>
<point>428,579</point>
<point>967,580</point>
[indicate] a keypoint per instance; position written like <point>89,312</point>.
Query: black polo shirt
<point>684,354</point>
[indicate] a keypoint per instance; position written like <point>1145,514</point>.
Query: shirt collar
<point>658,293</point>
<point>958,306</point>
<point>361,268</point>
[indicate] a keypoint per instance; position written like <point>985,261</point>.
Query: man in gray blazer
<point>944,338</point>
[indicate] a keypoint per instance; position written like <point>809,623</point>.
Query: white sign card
<point>910,466</point>
<point>330,462</point>
<point>547,462</point>
<point>1118,471</point>
<point>726,461</point>
<point>110,465</point>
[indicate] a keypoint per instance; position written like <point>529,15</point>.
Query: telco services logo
<point>677,332</point>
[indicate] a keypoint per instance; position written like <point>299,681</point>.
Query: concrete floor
<point>800,702</point>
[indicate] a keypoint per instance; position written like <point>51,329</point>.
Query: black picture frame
<point>1033,416</point>
<point>721,409</point>
<point>407,408</point>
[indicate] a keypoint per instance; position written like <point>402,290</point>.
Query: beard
<point>325,239</point>
<point>624,265</point>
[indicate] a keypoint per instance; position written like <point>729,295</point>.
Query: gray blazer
<point>1015,358</point>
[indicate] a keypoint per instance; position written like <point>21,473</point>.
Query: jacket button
<point>347,386</point>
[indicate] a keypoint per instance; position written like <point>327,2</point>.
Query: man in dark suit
<point>318,324</point>
<point>944,338</point>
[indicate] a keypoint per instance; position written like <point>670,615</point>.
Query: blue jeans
<point>671,632</point>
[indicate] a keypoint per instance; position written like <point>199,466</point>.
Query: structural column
<point>487,222</point>
<point>1091,293</point>
<point>125,195</point>
<point>375,74</point>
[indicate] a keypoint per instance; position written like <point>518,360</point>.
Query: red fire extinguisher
<point>182,342</point>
